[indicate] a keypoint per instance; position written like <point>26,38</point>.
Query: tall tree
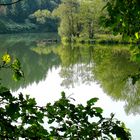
<point>67,13</point>
<point>79,18</point>
<point>89,14</point>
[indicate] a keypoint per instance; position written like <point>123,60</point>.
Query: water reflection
<point>35,66</point>
<point>109,66</point>
<point>112,70</point>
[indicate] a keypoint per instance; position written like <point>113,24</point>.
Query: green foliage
<point>17,17</point>
<point>17,70</point>
<point>71,121</point>
<point>20,117</point>
<point>135,57</point>
<point>89,15</point>
<point>74,121</point>
<point>123,18</point>
<point>14,65</point>
<point>118,76</point>
<point>41,15</point>
<point>135,53</point>
<point>67,12</point>
<point>79,18</point>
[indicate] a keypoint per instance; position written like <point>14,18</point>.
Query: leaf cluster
<point>22,118</point>
<point>123,18</point>
<point>14,65</point>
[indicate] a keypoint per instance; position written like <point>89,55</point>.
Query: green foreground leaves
<point>14,65</point>
<point>22,118</point>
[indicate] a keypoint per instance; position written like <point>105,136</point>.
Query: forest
<point>72,18</point>
<point>18,18</point>
<point>95,41</point>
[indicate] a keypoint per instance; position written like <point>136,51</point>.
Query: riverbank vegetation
<point>75,20</point>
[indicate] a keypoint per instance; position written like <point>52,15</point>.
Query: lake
<point>80,70</point>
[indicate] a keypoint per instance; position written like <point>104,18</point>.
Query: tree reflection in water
<point>109,66</point>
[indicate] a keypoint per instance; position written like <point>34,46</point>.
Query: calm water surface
<point>81,70</point>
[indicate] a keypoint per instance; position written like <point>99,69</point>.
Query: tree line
<point>16,17</point>
<point>73,18</point>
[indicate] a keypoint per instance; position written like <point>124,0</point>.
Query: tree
<point>79,18</point>
<point>41,15</point>
<point>123,18</point>
<point>89,14</point>
<point>67,12</point>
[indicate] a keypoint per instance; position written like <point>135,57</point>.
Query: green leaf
<point>21,97</point>
<point>137,35</point>
<point>98,109</point>
<point>92,101</point>
<point>16,76</point>
<point>16,64</point>
<point>5,93</point>
<point>11,109</point>
<point>63,95</point>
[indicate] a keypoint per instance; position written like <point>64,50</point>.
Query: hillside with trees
<point>18,17</point>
